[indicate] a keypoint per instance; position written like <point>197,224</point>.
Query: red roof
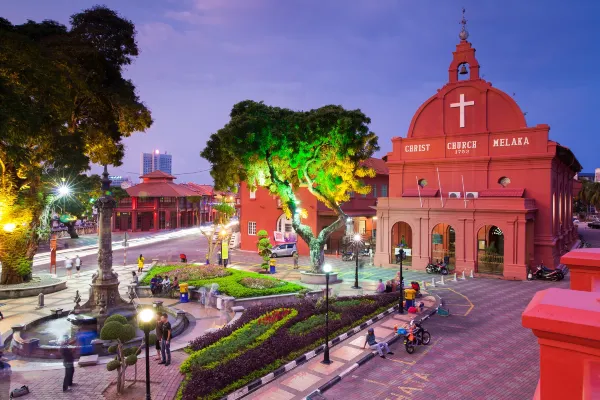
<point>201,190</point>
<point>160,189</point>
<point>424,192</point>
<point>377,164</point>
<point>158,174</point>
<point>502,192</point>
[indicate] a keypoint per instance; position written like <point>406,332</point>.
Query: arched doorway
<point>401,234</point>
<point>284,232</point>
<point>443,239</point>
<point>490,250</point>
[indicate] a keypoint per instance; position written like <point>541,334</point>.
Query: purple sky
<point>199,57</point>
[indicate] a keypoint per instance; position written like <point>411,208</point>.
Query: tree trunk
<point>71,230</point>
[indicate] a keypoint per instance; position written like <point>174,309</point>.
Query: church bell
<point>463,70</point>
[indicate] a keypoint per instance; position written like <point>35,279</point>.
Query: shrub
<point>186,273</point>
<point>260,283</point>
<point>117,317</point>
<point>351,303</point>
<point>312,322</point>
<point>112,365</point>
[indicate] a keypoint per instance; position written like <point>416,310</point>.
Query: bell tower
<point>463,62</point>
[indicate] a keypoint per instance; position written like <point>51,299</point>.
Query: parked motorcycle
<point>348,256</point>
<point>417,335</point>
<point>544,273</point>
<point>439,268</point>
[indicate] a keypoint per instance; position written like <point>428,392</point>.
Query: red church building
<point>473,184</point>
<point>259,210</point>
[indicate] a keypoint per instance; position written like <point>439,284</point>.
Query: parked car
<point>284,250</point>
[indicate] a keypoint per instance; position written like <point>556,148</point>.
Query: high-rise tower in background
<point>155,161</point>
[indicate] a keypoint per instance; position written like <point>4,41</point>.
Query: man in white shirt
<point>77,264</point>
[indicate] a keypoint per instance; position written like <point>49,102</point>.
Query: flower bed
<point>312,322</point>
<point>214,380</point>
<point>239,284</point>
<point>186,273</point>
<point>341,304</point>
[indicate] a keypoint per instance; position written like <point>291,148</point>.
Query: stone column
<point>584,267</point>
<point>104,291</point>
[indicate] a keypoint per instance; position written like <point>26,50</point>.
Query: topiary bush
<point>116,327</point>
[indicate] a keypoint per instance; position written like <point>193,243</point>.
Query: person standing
<point>77,264</point>
<point>296,256</point>
<point>165,343</point>
<point>68,266</point>
<point>67,355</point>
<point>158,336</point>
<point>140,263</point>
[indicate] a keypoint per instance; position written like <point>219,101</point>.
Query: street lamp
<point>357,240</point>
<point>327,270</point>
<point>223,235</point>
<point>146,317</point>
<point>401,304</point>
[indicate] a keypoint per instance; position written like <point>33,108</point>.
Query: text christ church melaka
<point>473,185</point>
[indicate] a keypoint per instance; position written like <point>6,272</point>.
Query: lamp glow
<point>63,190</point>
<point>146,315</point>
<point>10,227</point>
<point>357,237</point>
<point>327,268</point>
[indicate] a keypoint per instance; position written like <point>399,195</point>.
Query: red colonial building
<point>473,184</point>
<point>158,203</point>
<point>261,210</point>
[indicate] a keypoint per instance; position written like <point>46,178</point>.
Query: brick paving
<point>97,383</point>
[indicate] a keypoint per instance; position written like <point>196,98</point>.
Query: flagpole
<point>419,189</point>
<point>440,185</point>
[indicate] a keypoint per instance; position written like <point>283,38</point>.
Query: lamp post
<point>147,316</point>
<point>356,239</point>
<point>223,235</point>
<point>327,270</point>
<point>401,303</point>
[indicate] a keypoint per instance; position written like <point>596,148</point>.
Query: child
<point>140,263</point>
<point>296,256</point>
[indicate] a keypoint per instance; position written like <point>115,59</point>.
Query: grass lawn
<point>239,284</point>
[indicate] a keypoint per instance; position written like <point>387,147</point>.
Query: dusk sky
<point>386,57</point>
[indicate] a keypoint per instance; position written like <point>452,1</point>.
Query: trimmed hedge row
<point>276,350</point>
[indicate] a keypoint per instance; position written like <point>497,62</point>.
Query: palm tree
<point>590,194</point>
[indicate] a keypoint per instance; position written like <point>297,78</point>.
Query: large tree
<point>589,194</point>
<point>64,104</point>
<point>283,150</point>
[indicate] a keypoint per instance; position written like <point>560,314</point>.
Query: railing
<point>490,263</point>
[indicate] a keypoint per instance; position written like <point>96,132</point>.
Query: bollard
<point>41,300</point>
<point>424,285</point>
<point>432,282</point>
<point>454,280</point>
<point>471,276</point>
<point>442,281</point>
<point>463,275</point>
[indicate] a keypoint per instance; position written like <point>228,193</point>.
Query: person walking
<point>296,257</point>
<point>165,343</point>
<point>372,342</point>
<point>68,266</point>
<point>140,263</point>
<point>77,265</point>
<point>67,355</point>
<point>158,336</point>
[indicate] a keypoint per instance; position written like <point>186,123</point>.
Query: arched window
<point>504,181</point>
<point>284,224</point>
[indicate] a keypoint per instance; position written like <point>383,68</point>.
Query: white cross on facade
<point>462,104</point>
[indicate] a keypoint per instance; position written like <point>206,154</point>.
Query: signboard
<point>436,238</point>
<point>285,237</point>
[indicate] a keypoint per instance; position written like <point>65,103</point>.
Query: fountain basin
<point>42,338</point>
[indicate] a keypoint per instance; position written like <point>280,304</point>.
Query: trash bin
<point>410,295</point>
<point>184,293</point>
<point>272,264</point>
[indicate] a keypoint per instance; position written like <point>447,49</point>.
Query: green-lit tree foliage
<point>64,104</point>
<point>283,150</point>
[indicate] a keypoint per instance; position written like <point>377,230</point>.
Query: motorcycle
<point>348,256</point>
<point>439,268</point>
<point>544,273</point>
<point>417,335</point>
